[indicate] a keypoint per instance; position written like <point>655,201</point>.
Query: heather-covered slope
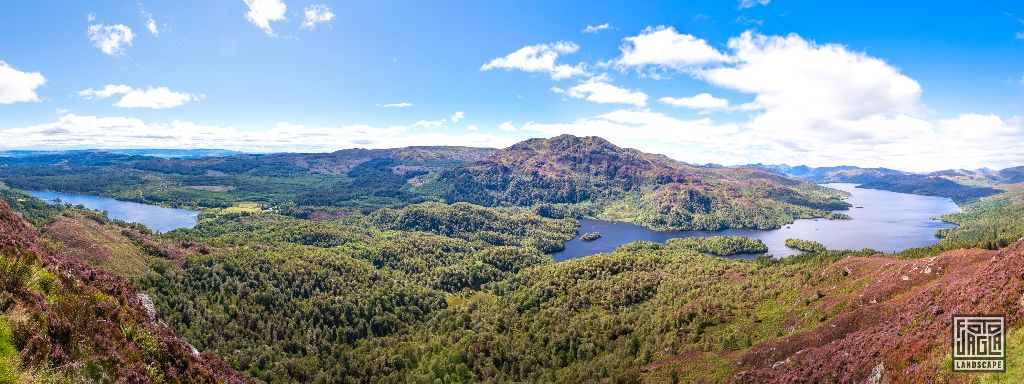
<point>625,184</point>
<point>895,322</point>
<point>61,320</point>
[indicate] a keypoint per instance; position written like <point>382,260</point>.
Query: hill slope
<point>63,321</point>
<point>625,184</point>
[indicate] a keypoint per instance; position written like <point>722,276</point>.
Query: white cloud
<point>429,123</point>
<point>458,116</point>
<point>744,4</point>
<point>596,28</point>
<point>702,101</point>
<point>78,132</point>
<point>1019,35</point>
<point>827,105</point>
<point>472,127</point>
<point>663,47</point>
<point>111,39</point>
<point>540,58</point>
<point>801,84</point>
<point>507,126</point>
<point>262,12</point>
<point>316,14</point>
<point>153,98</point>
<point>398,105</point>
<point>150,23</point>
<point>823,102</point>
<point>598,90</point>
<point>17,86</point>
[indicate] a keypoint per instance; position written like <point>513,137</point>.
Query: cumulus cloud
<point>429,123</point>
<point>398,105</point>
<point>472,127</point>
<point>599,90</point>
<point>744,4</point>
<point>72,131</point>
<point>262,12</point>
<point>507,126</point>
<point>596,28</point>
<point>663,47</point>
<point>110,39</point>
<point>540,58</point>
<point>458,116</point>
<point>702,101</point>
<point>153,98</point>
<point>17,86</point>
<point>824,91</point>
<point>317,14</point>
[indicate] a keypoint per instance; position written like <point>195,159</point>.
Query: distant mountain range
<point>958,184</point>
<point>586,175</point>
<point>166,153</point>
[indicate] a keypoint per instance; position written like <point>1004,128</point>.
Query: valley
<point>398,280</point>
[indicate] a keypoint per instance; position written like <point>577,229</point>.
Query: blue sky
<point>912,85</point>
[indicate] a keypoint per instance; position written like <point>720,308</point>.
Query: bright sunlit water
<point>155,217</point>
<point>887,221</point>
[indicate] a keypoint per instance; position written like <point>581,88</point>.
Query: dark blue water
<point>155,217</point>
<point>888,222</point>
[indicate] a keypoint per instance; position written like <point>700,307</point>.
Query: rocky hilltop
<point>617,183</point>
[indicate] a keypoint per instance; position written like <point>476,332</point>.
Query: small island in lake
<point>805,245</point>
<point>720,245</point>
<point>590,236</point>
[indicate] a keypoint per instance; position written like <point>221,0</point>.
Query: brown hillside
<point>897,324</point>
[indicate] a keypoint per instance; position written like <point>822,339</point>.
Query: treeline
<point>518,227</point>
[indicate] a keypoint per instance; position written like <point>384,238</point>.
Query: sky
<point>917,86</point>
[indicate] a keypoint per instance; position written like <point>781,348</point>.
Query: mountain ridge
<point>629,185</point>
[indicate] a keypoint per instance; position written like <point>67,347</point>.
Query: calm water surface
<point>887,221</point>
<point>155,217</point>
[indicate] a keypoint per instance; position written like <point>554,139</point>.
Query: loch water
<point>881,220</point>
<point>155,217</point>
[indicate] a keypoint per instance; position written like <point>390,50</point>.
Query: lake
<point>887,221</point>
<point>155,217</point>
